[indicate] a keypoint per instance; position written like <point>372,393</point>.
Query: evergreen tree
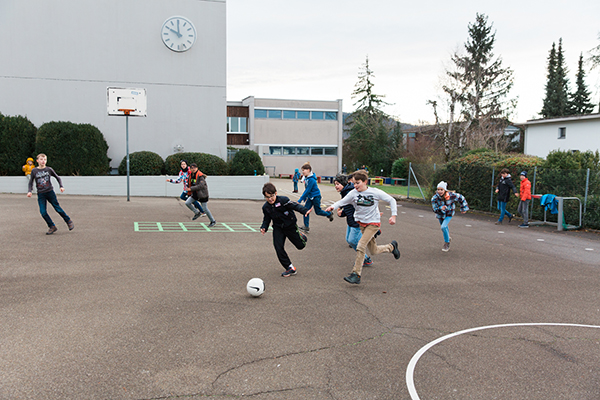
<point>369,141</point>
<point>580,100</point>
<point>556,103</point>
<point>549,107</point>
<point>481,86</point>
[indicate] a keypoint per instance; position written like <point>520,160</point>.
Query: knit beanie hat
<point>442,185</point>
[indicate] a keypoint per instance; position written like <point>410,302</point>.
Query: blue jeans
<point>184,197</point>
<point>353,236</point>
<point>316,203</point>
<point>50,197</point>
<point>444,223</point>
<point>295,186</point>
<point>502,208</point>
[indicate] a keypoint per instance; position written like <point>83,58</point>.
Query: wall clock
<point>178,33</point>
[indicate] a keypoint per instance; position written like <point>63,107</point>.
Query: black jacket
<point>348,210</point>
<point>504,187</point>
<point>281,213</point>
<point>198,187</point>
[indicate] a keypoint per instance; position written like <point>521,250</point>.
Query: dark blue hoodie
<point>348,210</point>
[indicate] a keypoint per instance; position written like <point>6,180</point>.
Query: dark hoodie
<point>348,210</point>
<point>504,187</point>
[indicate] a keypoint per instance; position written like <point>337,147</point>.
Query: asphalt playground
<point>140,302</point>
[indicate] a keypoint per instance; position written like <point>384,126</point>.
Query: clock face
<point>178,34</point>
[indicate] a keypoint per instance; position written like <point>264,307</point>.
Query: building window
<point>237,125</point>
<point>332,116</point>
<point>289,114</point>
<point>260,113</point>
<point>288,151</point>
<point>562,133</point>
<point>316,151</point>
<point>275,151</point>
<point>274,114</point>
<point>303,114</point>
<point>302,150</point>
<point>331,151</point>
<point>316,115</point>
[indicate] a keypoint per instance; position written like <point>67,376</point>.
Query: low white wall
<point>219,187</point>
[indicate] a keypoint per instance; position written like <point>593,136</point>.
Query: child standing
<point>42,174</point>
<point>198,191</point>
<point>504,187</point>
<point>295,179</point>
<point>312,196</point>
<point>353,233</point>
<point>366,212</point>
<point>280,211</point>
<point>28,167</point>
<point>183,174</point>
<point>524,196</point>
<point>443,203</point>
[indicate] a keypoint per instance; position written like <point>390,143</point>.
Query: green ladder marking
<point>249,227</point>
<point>228,227</point>
<point>183,228</point>
<point>136,227</point>
<point>159,226</point>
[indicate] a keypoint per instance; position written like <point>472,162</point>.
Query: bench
<point>399,181</point>
<point>376,181</point>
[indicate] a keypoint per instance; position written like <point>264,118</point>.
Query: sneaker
<point>395,251</point>
<point>304,237</point>
<point>446,247</point>
<point>196,216</point>
<point>377,234</point>
<point>330,216</point>
<point>498,223</point>
<point>353,278</point>
<point>51,230</point>
<point>524,226</point>
<point>212,224</point>
<point>70,224</point>
<point>510,218</point>
<point>289,272</point>
<point>368,262</point>
<point>203,214</point>
<point>304,229</point>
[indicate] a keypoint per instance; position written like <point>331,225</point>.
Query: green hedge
<point>246,162</point>
<point>142,163</point>
<point>73,149</point>
<point>17,143</point>
<point>400,168</point>
<point>207,163</point>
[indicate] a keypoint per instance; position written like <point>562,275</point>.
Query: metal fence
<point>478,183</point>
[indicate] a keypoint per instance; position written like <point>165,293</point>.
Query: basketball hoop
<point>126,111</point>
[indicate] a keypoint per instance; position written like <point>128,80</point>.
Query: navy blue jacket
<point>348,210</point>
<point>311,188</point>
<point>281,213</point>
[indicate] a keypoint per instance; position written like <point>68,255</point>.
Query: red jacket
<point>525,190</point>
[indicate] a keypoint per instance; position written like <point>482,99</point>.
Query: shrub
<point>246,162</point>
<point>142,163</point>
<point>207,163</point>
<point>73,149</point>
<point>400,168</point>
<point>17,143</point>
<point>568,160</point>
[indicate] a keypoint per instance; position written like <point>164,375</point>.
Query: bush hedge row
<point>17,143</point>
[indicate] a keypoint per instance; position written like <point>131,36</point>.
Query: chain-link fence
<point>478,183</point>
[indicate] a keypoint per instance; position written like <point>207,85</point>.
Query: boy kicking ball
<point>366,212</point>
<point>280,211</point>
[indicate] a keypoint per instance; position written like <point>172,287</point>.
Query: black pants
<point>279,235</point>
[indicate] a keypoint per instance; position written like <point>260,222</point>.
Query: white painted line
<point>500,231</point>
<point>469,225</point>
<point>410,370</point>
<point>541,240</point>
<point>589,249</point>
<point>403,212</point>
<point>420,216</point>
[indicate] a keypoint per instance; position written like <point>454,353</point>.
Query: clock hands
<point>175,32</point>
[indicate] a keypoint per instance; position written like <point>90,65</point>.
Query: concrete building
<point>288,133</point>
<point>61,56</point>
<point>575,133</point>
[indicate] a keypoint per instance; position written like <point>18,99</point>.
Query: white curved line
<point>410,370</point>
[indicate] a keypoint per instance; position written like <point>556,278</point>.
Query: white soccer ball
<point>255,287</point>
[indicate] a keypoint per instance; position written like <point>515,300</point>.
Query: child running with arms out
<point>312,196</point>
<point>41,175</point>
<point>280,211</point>
<point>366,212</point>
<point>443,204</point>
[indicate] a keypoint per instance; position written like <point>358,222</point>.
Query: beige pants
<point>367,241</point>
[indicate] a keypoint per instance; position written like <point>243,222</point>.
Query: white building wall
<point>62,56</point>
<point>582,134</point>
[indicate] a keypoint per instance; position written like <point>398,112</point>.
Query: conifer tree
<point>556,103</point>
<point>549,107</point>
<point>580,100</point>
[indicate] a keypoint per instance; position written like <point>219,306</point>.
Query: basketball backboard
<point>118,100</point>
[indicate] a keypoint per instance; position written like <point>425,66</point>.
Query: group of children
<point>359,204</point>
<point>503,189</point>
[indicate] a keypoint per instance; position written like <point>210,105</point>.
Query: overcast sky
<point>313,50</point>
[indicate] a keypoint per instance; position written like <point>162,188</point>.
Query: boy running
<point>312,196</point>
<point>45,192</point>
<point>280,210</point>
<point>366,213</point>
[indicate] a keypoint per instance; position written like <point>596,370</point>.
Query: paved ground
<point>108,312</point>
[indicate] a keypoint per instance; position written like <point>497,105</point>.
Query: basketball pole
<point>126,112</point>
